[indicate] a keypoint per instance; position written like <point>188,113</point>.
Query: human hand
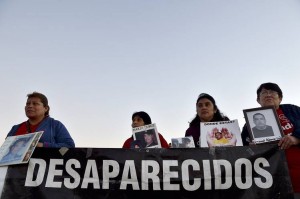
<point>209,140</point>
<point>40,144</point>
<point>233,140</point>
<point>287,141</point>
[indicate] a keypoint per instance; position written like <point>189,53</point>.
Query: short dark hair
<point>17,141</point>
<point>269,86</point>
<point>259,114</point>
<point>146,118</point>
<point>43,99</point>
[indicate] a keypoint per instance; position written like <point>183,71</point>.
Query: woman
<point>207,111</point>
<point>269,94</point>
<point>37,110</point>
<point>141,119</point>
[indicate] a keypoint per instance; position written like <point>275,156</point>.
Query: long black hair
<point>218,116</point>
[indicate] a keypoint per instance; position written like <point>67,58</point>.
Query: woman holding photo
<point>141,119</point>
<point>270,94</point>
<point>55,134</point>
<point>207,111</point>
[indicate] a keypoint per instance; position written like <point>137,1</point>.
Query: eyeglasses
<point>268,92</point>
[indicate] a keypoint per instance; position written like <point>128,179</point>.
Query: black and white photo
<point>263,124</point>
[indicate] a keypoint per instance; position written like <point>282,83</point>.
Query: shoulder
<point>192,129</point>
<point>288,106</point>
<point>14,129</point>
<point>127,143</point>
<point>52,121</point>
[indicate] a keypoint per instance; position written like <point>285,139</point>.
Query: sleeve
<point>245,136</point>
<point>127,143</point>
<point>163,142</point>
<point>60,137</point>
<point>13,130</point>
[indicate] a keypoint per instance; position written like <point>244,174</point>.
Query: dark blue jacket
<point>291,111</point>
<point>55,134</point>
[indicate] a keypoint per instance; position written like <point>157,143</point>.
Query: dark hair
<point>146,118</point>
<point>269,86</point>
<point>43,99</point>
<point>185,140</point>
<point>218,116</point>
<point>258,114</point>
<point>17,141</point>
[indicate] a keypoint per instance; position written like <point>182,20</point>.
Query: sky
<point>99,61</point>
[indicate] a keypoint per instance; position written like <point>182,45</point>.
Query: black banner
<point>221,172</point>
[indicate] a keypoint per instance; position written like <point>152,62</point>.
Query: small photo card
<point>146,137</point>
<point>18,149</point>
<point>263,125</point>
<point>184,142</point>
<point>223,133</point>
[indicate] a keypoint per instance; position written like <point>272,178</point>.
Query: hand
<point>40,144</point>
<point>287,141</point>
<point>233,140</point>
<point>210,141</point>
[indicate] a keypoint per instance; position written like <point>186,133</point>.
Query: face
<point>269,98</point>
<point>148,138</point>
<point>137,122</point>
<point>16,148</point>
<point>205,110</point>
<point>218,135</point>
<point>259,121</point>
<point>35,109</point>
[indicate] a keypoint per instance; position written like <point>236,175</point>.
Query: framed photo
<point>18,149</point>
<point>145,137</point>
<point>263,124</point>
<point>183,142</point>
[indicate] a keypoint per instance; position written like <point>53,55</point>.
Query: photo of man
<point>261,129</point>
<point>15,151</point>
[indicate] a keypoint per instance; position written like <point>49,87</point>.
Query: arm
<point>56,135</point>
<point>245,136</point>
<point>163,142</point>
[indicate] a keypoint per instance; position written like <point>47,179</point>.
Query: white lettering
<point>91,175</point>
<point>168,175</point>
<point>228,174</point>
<point>262,172</point>
<point>53,172</point>
<point>238,173</point>
<point>146,175</point>
<point>185,175</point>
<point>129,167</point>
<point>72,173</point>
<point>109,174</point>
<point>29,182</point>
<point>207,175</point>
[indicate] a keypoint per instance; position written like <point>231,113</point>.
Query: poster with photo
<point>18,149</point>
<point>223,133</point>
<point>263,125</point>
<point>184,142</point>
<point>146,137</point>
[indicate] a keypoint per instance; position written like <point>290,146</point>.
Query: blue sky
<point>99,61</point>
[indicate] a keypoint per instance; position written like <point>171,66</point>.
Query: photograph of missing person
<point>184,142</point>
<point>223,133</point>
<point>145,137</point>
<point>263,124</point>
<point>18,149</point>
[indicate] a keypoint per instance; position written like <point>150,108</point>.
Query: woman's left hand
<point>287,141</point>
